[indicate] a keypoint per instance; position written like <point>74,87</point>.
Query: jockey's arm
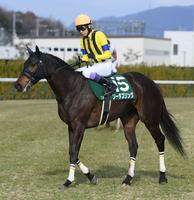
<point>106,55</point>
<point>101,39</point>
<point>84,57</point>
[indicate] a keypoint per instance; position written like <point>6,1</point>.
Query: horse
<point>80,109</point>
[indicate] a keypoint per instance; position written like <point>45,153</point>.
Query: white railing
<point>9,80</point>
<point>187,82</point>
<point>174,82</point>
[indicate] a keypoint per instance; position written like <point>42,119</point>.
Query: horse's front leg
<point>85,170</point>
<point>75,140</point>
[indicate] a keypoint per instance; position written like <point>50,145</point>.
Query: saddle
<point>124,91</point>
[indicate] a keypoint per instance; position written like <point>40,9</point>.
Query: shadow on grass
<point>103,172</point>
<point>155,174</point>
<point>55,172</point>
<point>111,171</point>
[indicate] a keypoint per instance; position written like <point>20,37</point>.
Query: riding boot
<point>109,86</point>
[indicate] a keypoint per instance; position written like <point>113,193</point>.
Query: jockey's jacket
<point>95,44</point>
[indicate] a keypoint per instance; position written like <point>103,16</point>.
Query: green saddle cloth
<point>124,90</point>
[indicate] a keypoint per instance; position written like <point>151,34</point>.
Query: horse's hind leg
<point>129,125</point>
<point>159,139</point>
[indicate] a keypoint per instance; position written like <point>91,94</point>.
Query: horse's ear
<point>37,51</point>
<point>29,50</point>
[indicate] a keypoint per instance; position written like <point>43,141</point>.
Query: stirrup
<point>109,90</point>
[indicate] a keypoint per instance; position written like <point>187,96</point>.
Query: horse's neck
<point>65,82</point>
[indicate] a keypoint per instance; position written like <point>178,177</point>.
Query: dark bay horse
<point>80,109</point>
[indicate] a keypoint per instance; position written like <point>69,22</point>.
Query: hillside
<point>28,24</point>
<point>151,22</point>
<point>158,20</point>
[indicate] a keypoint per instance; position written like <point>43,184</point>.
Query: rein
<point>41,65</point>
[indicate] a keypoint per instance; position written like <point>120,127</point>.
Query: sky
<point>67,10</point>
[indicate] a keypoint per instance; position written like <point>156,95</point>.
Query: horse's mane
<point>61,62</point>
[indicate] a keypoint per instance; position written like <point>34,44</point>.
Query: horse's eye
<point>32,67</point>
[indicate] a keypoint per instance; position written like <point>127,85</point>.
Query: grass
<point>34,157</point>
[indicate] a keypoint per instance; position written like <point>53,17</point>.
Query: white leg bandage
<point>162,165</point>
<point>71,176</point>
<point>83,168</point>
<point>131,171</point>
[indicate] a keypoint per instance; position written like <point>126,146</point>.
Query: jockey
<point>96,51</point>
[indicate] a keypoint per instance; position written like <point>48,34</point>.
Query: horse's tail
<point>171,131</point>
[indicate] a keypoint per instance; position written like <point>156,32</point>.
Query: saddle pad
<point>123,91</point>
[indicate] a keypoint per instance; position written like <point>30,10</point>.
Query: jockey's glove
<point>91,56</point>
<point>78,61</point>
<point>89,63</point>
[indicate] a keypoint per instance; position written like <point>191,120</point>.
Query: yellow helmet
<point>82,20</point>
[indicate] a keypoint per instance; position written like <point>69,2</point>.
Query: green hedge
<point>12,69</point>
<point>167,73</point>
<point>162,72</point>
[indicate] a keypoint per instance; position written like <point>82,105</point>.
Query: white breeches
<point>114,65</point>
<point>102,69</point>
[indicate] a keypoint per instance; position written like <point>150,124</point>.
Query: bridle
<point>40,65</point>
<point>31,74</point>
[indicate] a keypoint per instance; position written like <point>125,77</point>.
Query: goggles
<point>81,28</point>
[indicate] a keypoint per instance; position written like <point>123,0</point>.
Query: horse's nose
<point>18,86</point>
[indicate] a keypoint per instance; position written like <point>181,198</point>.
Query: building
<point>130,49</point>
<point>182,47</point>
<point>64,48</point>
<point>142,50</point>
<point>8,52</point>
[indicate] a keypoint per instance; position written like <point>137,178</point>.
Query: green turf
<point>34,157</point>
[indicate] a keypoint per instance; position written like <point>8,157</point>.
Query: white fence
<point>171,88</point>
<point>9,80</point>
<point>176,82</point>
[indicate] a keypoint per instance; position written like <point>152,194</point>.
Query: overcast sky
<point>67,10</point>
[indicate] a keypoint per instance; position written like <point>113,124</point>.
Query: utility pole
<point>13,28</point>
<point>184,58</point>
<point>37,26</point>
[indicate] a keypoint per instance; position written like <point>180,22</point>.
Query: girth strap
<point>106,104</point>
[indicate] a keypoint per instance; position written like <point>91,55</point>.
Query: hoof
<point>92,178</point>
<point>63,188</point>
<point>65,185</point>
<point>163,179</point>
<point>127,181</point>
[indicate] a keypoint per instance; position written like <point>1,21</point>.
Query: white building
<point>138,50</point>
<point>130,50</point>
<point>182,47</point>
<point>8,52</point>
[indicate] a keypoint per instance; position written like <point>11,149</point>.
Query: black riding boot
<point>109,86</point>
